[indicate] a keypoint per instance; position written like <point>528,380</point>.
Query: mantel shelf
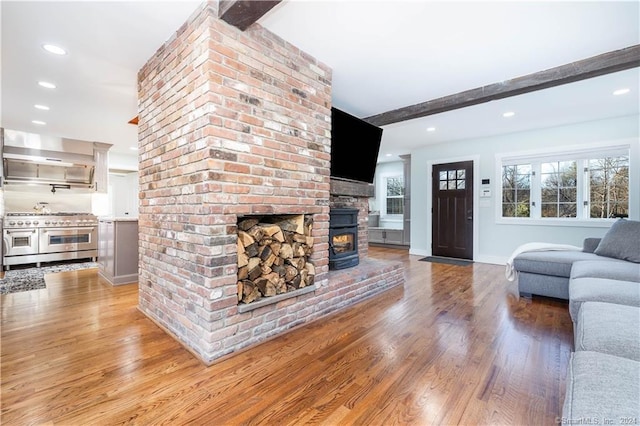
<point>350,188</point>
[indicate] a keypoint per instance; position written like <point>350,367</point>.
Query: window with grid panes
<point>395,195</point>
<point>592,185</point>
<point>452,180</point>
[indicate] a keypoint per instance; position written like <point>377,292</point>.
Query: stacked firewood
<point>273,256</point>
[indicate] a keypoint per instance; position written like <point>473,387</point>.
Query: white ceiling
<point>384,55</point>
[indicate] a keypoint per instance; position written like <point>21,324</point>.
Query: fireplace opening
<point>343,238</point>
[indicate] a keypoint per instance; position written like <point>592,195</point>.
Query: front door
<point>452,221</point>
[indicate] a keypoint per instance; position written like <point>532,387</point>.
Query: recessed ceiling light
<point>42,107</point>
<point>38,122</point>
<point>621,91</point>
<point>387,155</point>
<point>431,129</point>
<point>508,114</point>
<point>47,84</point>
<point>135,148</point>
<point>52,48</point>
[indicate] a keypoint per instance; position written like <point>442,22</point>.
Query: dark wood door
<point>452,221</point>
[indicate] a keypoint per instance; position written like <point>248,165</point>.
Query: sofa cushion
<point>543,285</point>
<point>622,241</point>
<point>590,244</point>
<point>610,329</point>
<point>554,262</point>
<point>601,386</point>
<point>583,290</point>
<point>612,269</point>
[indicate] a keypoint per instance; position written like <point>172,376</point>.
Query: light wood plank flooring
<point>454,345</point>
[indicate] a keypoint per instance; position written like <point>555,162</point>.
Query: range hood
<point>26,166</point>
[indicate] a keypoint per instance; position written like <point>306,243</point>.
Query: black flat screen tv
<point>354,147</point>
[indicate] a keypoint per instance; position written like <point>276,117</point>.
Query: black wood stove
<point>343,238</point>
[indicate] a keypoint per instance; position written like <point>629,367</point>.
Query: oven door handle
<point>33,231</point>
<point>74,230</point>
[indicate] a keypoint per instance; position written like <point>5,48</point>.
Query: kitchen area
<point>65,202</point>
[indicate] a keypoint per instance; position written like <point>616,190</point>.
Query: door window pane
<point>452,180</point>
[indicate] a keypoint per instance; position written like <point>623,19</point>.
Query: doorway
<point>452,212</point>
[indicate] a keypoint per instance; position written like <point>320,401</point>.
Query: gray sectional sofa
<point>602,285</point>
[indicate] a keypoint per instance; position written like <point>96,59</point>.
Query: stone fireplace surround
<point>231,124</point>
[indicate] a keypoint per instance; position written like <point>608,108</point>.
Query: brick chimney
<point>231,124</point>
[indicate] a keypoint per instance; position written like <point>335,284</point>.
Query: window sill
<point>392,218</point>
<point>585,223</point>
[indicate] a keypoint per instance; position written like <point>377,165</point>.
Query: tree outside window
<point>609,187</point>
<point>559,190</point>
<point>395,195</point>
<point>516,190</point>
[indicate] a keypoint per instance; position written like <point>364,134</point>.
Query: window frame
<point>383,210</point>
<point>581,155</point>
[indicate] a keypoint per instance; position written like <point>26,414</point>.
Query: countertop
<point>118,219</point>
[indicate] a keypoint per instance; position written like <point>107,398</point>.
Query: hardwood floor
<point>454,345</point>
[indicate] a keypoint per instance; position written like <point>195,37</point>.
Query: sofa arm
<point>590,244</point>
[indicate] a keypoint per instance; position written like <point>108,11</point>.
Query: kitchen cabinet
<point>123,194</point>
<point>101,173</point>
<point>406,163</point>
<point>376,235</point>
<point>1,199</point>
<point>386,236</point>
<point>118,250</point>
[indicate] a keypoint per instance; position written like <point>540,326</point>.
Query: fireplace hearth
<point>343,238</point>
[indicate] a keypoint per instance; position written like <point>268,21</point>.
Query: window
<point>516,190</point>
<point>579,185</point>
<point>609,187</point>
<point>452,179</point>
<point>558,187</point>
<point>395,195</point>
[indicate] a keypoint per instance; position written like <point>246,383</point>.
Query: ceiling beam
<point>243,13</point>
<point>617,60</point>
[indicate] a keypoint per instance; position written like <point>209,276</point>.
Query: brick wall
<point>231,123</point>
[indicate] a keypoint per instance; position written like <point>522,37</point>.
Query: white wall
<point>494,242</point>
<point>384,170</point>
<point>22,198</point>
<point>118,161</point>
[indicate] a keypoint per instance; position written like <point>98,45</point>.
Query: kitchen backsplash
<point>22,198</point>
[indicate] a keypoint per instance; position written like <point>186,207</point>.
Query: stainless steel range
<point>35,238</point>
